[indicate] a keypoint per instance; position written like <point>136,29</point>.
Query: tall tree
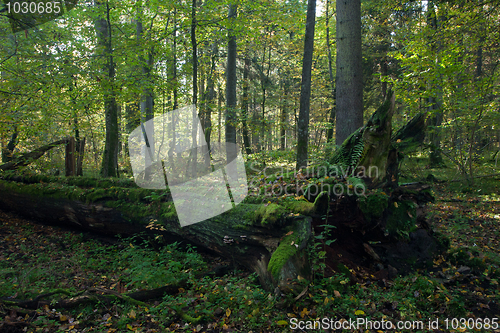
<point>305,87</point>
<point>349,78</point>
<point>104,50</point>
<point>231,86</point>
<point>147,100</point>
<point>435,101</point>
<point>244,104</point>
<point>329,135</point>
<point>194,132</point>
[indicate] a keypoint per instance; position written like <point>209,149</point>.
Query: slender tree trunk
<point>256,122</point>
<point>194,132</point>
<point>109,167</point>
<point>244,104</point>
<point>79,144</point>
<point>209,100</point>
<point>305,87</point>
<point>435,103</point>
<point>283,116</point>
<point>174,61</point>
<point>349,75</point>
<point>219,111</point>
<point>329,134</point>
<point>146,101</point>
<point>231,87</point>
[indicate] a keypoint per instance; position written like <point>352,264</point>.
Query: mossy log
<point>380,228</point>
<point>269,238</point>
<point>249,234</point>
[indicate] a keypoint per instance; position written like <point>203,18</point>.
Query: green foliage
<point>351,151</point>
<point>156,269</point>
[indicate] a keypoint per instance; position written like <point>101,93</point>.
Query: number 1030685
<point>25,7</point>
<point>472,323</point>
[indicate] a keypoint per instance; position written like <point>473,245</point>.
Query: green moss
<point>168,211</point>
<point>321,204</point>
<point>270,214</point>
<point>241,214</point>
<point>241,227</point>
<point>300,207</point>
<point>373,205</point>
<point>288,247</point>
<point>402,218</point>
<point>283,253</point>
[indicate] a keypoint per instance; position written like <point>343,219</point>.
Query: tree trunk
<point>276,251</point>
<point>244,105</point>
<point>283,117</point>
<point>174,61</point>
<point>329,133</point>
<point>147,100</point>
<point>104,48</point>
<point>349,75</point>
<point>209,99</point>
<point>194,132</point>
<point>305,87</point>
<point>231,87</point>
<point>435,103</point>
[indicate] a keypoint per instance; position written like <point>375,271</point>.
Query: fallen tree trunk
<point>27,158</point>
<point>267,238</point>
<point>380,231</point>
<point>239,234</point>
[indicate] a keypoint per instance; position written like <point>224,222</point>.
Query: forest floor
<point>462,284</point>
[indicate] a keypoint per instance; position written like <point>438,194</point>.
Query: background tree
<point>349,77</point>
<point>305,87</point>
<point>105,52</point>
<point>231,86</point>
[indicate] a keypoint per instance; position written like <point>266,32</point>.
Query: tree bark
<point>349,75</point>
<point>305,87</point>
<point>194,132</point>
<point>231,87</point>
<point>329,134</point>
<point>435,103</point>
<point>104,49</point>
<point>244,105</point>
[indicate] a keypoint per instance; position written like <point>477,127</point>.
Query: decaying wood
<point>27,158</point>
<point>93,295</point>
<point>254,244</point>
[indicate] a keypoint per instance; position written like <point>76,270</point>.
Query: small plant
<point>317,252</point>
